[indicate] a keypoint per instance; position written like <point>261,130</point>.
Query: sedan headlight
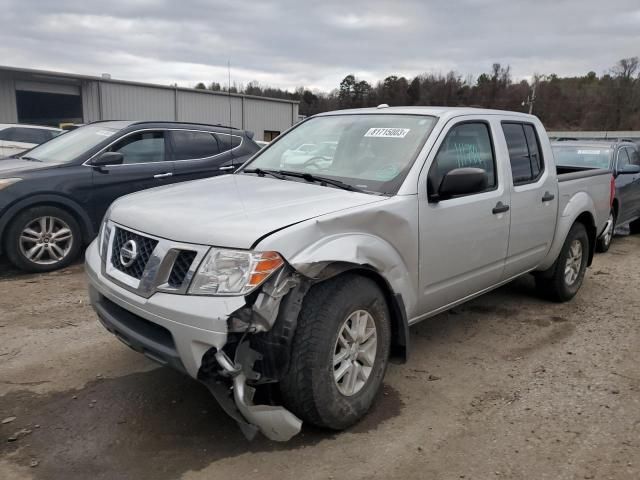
<point>5,182</point>
<point>233,272</point>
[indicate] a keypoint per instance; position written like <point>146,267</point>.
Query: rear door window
<point>227,141</point>
<point>525,156</point>
<point>193,145</point>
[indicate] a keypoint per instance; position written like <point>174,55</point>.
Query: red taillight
<point>612,192</point>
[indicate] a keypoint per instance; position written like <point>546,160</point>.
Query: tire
<point>634,227</point>
<point>604,241</point>
<point>309,388</point>
<point>554,284</point>
<point>59,224</point>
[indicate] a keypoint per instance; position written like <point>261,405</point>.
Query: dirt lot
<point>508,386</point>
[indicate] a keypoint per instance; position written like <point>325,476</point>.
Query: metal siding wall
<point>90,101</point>
<point>208,108</point>
<point>261,115</point>
<point>131,102</point>
<point>8,107</point>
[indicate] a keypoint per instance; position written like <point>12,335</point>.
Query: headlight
<point>103,237</point>
<point>5,182</point>
<point>233,272</point>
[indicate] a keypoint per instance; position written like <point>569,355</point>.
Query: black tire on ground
<point>634,227</point>
<point>604,242</point>
<point>48,263</point>
<point>309,389</point>
<point>553,283</point>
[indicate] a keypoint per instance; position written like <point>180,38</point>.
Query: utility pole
<point>531,98</point>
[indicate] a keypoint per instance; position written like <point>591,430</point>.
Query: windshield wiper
<point>31,159</point>
<point>262,173</point>
<point>322,180</point>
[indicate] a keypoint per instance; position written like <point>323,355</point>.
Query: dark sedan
<point>623,160</point>
<point>53,198</point>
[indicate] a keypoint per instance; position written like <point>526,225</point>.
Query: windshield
<point>68,146</point>
<point>582,156</point>
<point>371,152</point>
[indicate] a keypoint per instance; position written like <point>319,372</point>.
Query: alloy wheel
<point>355,352</point>
<point>46,240</point>
<point>573,263</point>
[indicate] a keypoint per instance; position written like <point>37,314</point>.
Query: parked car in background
<point>299,284</point>
<point>309,153</point>
<point>16,138</point>
<point>623,160</point>
<point>53,197</point>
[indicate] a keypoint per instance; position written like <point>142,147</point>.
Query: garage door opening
<point>44,108</point>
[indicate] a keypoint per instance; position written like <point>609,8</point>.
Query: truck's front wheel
<point>339,354</point>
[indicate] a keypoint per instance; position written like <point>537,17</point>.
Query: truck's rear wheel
<point>565,277</point>
<point>339,354</point>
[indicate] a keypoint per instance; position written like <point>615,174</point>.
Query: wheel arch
<point>399,324</point>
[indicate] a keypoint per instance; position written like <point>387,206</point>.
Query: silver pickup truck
<point>287,288</point>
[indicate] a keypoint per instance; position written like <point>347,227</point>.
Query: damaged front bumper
<point>180,331</point>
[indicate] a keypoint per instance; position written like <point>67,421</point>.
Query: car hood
<point>230,211</point>
<point>12,166</point>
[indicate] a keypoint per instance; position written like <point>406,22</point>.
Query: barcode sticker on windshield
<point>387,132</point>
<point>588,152</point>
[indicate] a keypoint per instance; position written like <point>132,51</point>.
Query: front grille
<point>145,249</point>
<point>181,267</point>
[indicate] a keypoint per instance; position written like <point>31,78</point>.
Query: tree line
<point>610,101</point>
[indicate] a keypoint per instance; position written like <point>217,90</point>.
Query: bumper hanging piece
<point>274,422</point>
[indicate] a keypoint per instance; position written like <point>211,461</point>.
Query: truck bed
<point>596,182</point>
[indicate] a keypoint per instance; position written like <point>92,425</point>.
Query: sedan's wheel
<point>42,239</point>
<point>46,240</point>
<point>339,354</point>
<point>604,242</point>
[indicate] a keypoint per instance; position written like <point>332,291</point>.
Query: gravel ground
<point>507,386</point>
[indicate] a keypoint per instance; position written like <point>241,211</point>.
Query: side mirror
<point>461,181</point>
<point>108,158</point>
<point>629,169</point>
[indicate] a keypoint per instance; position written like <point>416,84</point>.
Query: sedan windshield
<point>370,152</point>
<point>68,146</point>
<point>582,156</point>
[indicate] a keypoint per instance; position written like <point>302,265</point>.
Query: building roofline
<point>73,76</point>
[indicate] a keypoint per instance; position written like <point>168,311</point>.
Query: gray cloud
<point>291,43</point>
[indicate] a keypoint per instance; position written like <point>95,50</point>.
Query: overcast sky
<point>292,43</point>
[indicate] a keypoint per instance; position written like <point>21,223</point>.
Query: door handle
<point>547,197</point>
<point>229,167</point>
<point>500,208</point>
<point>163,175</point>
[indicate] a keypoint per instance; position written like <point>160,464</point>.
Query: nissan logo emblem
<point>128,253</point>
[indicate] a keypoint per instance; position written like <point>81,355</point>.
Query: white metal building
<point>51,98</point>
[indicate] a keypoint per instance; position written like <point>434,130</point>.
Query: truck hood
<point>230,211</point>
